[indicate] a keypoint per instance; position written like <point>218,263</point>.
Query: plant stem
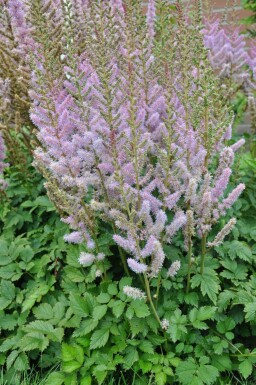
<point>158,287</point>
<point>203,253</point>
<point>189,264</point>
<point>150,299</point>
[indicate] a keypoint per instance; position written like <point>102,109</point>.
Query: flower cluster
<point>131,125</point>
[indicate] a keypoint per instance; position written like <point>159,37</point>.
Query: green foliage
<point>51,310</point>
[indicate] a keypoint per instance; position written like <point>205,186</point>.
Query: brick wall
<point>231,8</point>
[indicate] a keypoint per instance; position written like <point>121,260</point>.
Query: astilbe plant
<point>232,56</point>
<point>130,128</point>
<point>15,50</point>
<point>133,134</point>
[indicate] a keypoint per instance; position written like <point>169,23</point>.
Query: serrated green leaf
<point>221,362</point>
<point>137,326</point>
<point>7,290</point>
<point>100,376</point>
<point>11,358</point>
<point>75,275</point>
<point>226,325</point>
<point>70,366</point>
<point>146,347</point>
<point>161,378</point>
<point>118,308</point>
<point>245,368</point>
<point>208,282</point>
<point>140,308</point>
<point>86,327</point>
<point>112,289</point>
<point>208,374</point>
<point>250,310</point>
<point>86,380</point>
<point>55,378</point>
<point>21,363</point>
<point>177,327</point>
<point>103,298</point>
<point>131,357</point>
<point>7,321</point>
<point>32,341</point>
<point>72,352</point>
<point>79,305</point>
<point>99,338</point>
<point>186,371</point>
<point>44,311</point>
<point>145,366</point>
<point>241,250</point>
<point>99,312</point>
<point>34,296</point>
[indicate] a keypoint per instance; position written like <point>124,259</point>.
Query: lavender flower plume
<point>173,269</point>
<point>151,14</point>
<point>158,259</point>
<point>238,144</point>
<point>134,293</point>
<point>223,233</point>
<point>74,237</point>
<point>86,259</point>
<point>136,267</point>
<point>231,198</point>
<point>178,222</point>
<point>221,184</point>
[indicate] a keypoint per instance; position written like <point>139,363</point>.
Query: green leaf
<point>161,378</point>
<point>34,296</point>
<point>103,298</point>
<point>75,275</point>
<point>70,366</point>
<point>145,366</point>
<point>45,327</point>
<point>189,373</point>
<point>7,321</point>
<point>79,305</point>
<point>131,357</point>
<point>99,312</point>
<point>118,308</point>
<point>186,371</point>
<point>44,311</point>
<point>112,289</point>
<point>226,325</point>
<point>221,362</point>
<point>99,338</point>
<point>7,290</point>
<point>72,352</point>
<point>245,368</point>
<point>140,308</point>
<point>206,312</point>
<point>178,325</point>
<point>137,326</point>
<point>86,380</point>
<point>100,376</point>
<point>208,374</point>
<point>208,282</point>
<point>21,363</point>
<point>55,378</point>
<point>250,310</point>
<point>85,328</point>
<point>11,358</point>
<point>241,250</point>
<point>146,347</point>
